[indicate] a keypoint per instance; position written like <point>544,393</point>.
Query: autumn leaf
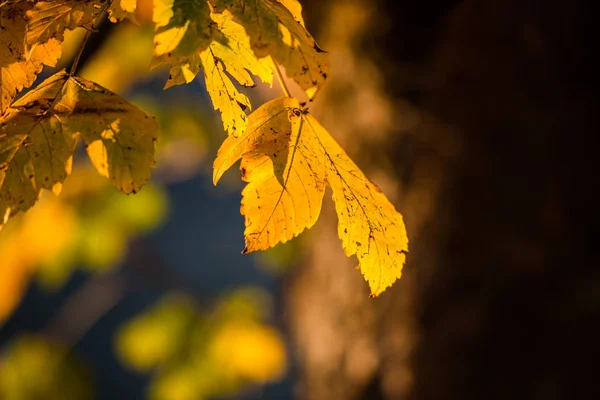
<point>49,19</point>
<point>183,27</point>
<point>18,70</point>
<point>38,135</point>
<point>295,8</point>
<point>274,31</point>
<point>232,47</point>
<point>229,55</point>
<point>287,158</point>
<point>286,177</point>
<point>122,9</point>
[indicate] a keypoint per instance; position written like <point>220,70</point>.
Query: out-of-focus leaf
<point>152,338</point>
<point>205,354</point>
<point>252,351</point>
<point>123,58</point>
<point>33,368</point>
<point>46,232</point>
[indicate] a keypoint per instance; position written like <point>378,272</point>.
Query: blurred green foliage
<point>196,354</point>
<point>33,368</point>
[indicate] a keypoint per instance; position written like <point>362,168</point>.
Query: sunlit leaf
<point>274,32</point>
<point>122,9</point>
<point>224,94</point>
<point>287,157</point>
<point>49,19</point>
<point>37,138</point>
<point>295,9</point>
<point>18,69</point>
<point>183,27</point>
<point>229,55</point>
<point>285,175</point>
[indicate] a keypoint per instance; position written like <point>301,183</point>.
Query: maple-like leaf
<point>18,69</point>
<point>122,9</point>
<point>183,27</point>
<point>287,159</point>
<point>38,135</point>
<point>49,19</point>
<point>275,32</point>
<point>229,55</point>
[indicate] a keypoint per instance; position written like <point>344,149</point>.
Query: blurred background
<point>477,118</point>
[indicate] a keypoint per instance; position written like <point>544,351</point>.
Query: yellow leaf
<point>120,138</point>
<point>232,47</point>
<point>49,19</point>
<point>16,69</point>
<point>37,139</point>
<point>287,157</point>
<point>37,233</point>
<point>224,94</point>
<point>183,27</point>
<point>251,350</point>
<point>229,52</point>
<point>122,9</point>
<point>275,32</point>
<point>285,175</point>
<point>295,8</point>
<point>152,338</point>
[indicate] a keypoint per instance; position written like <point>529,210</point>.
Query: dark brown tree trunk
<point>478,119</point>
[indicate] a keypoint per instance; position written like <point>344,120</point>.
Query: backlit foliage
<point>288,158</point>
<point>96,223</point>
<point>194,354</point>
<point>24,372</point>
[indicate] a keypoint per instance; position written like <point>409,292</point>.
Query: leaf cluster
<point>287,157</point>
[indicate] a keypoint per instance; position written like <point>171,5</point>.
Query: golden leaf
<point>275,32</point>
<point>286,177</point>
<point>287,158</point>
<point>37,139</point>
<point>16,69</point>
<point>183,28</point>
<point>49,19</point>
<point>228,52</point>
<point>224,94</point>
<point>295,8</point>
<point>122,9</point>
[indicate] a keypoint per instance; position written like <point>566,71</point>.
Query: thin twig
<point>80,52</point>
<point>93,28</point>
<point>284,87</point>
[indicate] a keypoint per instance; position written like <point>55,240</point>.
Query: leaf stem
<point>284,87</point>
<point>80,52</point>
<point>88,33</point>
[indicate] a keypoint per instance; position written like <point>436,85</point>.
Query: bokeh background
<point>477,118</point>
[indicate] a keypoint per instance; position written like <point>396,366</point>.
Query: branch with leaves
<point>287,157</point>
